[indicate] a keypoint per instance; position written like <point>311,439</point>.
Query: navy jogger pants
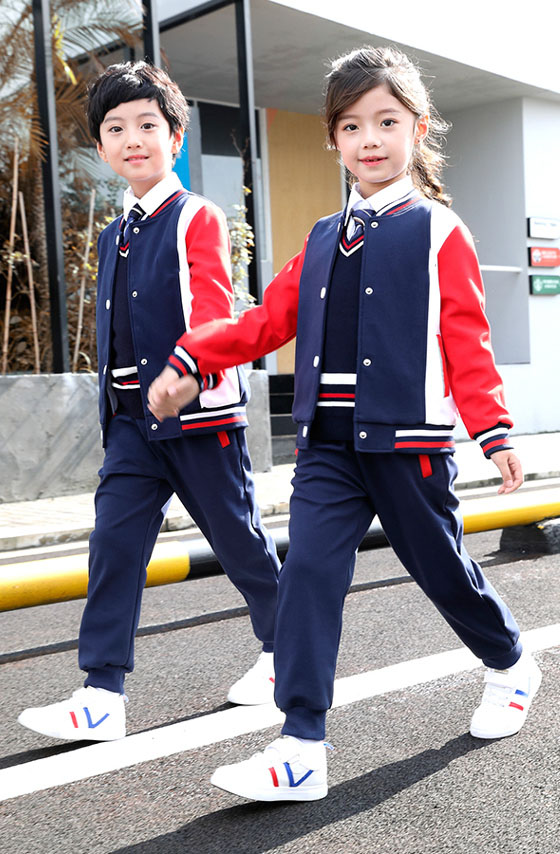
<point>138,478</point>
<point>337,492</point>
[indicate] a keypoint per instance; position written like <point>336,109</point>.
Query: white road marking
<point>105,757</point>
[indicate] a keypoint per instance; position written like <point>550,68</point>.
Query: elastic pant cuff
<point>111,680</point>
<point>502,662</point>
<point>305,723</point>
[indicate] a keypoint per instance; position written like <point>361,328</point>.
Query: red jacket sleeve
<point>223,343</point>
<point>208,256</point>
<point>474,380</point>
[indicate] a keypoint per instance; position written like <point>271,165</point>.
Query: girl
<point>392,342</point>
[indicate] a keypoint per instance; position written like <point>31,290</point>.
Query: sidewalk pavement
<point>51,521</point>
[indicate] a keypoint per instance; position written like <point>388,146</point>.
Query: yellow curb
<point>503,511</point>
<point>59,579</point>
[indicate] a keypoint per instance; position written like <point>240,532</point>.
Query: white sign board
<point>543,227</point>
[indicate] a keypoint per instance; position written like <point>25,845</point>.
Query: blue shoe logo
<point>293,782</point>
<point>91,724</point>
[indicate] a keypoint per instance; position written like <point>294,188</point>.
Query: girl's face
<point>376,136</point>
<point>137,143</point>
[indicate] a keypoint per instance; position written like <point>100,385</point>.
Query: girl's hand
<point>510,469</point>
<point>168,393</point>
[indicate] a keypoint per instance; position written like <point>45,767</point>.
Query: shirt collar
<point>154,197</point>
<point>378,200</point>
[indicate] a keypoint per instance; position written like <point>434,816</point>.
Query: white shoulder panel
<point>440,408</point>
<point>190,209</point>
<point>444,220</point>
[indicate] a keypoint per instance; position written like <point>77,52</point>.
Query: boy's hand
<point>510,469</point>
<point>168,393</point>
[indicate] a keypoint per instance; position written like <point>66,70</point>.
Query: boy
<point>163,269</point>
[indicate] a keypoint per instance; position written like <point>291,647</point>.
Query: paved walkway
<point>49,521</point>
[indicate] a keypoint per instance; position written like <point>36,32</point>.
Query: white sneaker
<point>506,699</point>
<point>257,686</point>
<point>93,714</point>
<point>285,771</point>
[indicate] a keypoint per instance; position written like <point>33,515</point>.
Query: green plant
<point>242,241</point>
<point>79,29</point>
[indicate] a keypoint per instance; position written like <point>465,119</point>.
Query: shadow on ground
<point>254,828</point>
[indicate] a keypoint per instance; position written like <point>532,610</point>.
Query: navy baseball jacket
<point>179,276</point>
<point>423,348</point>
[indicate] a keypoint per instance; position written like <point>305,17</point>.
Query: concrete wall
<point>485,176</point>
<point>503,169</point>
<point>536,392</point>
<point>50,439</point>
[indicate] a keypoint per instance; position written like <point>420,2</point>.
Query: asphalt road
<point>405,776</point>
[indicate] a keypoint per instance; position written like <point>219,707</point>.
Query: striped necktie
<point>134,214</point>
<point>353,234</point>
<point>356,223</point>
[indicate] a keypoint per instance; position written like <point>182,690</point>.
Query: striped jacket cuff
<point>496,439</point>
<point>183,363</point>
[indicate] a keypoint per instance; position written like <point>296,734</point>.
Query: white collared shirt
<point>386,197</point>
<point>155,197</point>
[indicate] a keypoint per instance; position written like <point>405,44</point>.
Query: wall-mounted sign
<point>544,285</point>
<point>544,256</point>
<point>540,227</point>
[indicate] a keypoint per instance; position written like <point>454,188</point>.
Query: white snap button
<point>367,362</point>
<point>323,293</point>
<point>108,304</point>
<point>374,224</point>
<point>134,293</point>
<point>154,426</point>
<point>143,361</point>
<point>363,434</point>
<point>136,230</point>
<point>315,361</point>
<point>369,291</point>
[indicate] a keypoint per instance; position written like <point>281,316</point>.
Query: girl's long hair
<point>355,73</point>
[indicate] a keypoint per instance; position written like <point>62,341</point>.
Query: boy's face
<point>376,136</point>
<point>137,143</point>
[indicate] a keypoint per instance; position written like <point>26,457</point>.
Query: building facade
<point>492,75</point>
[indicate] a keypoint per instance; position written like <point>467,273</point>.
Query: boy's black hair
<point>131,81</point>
